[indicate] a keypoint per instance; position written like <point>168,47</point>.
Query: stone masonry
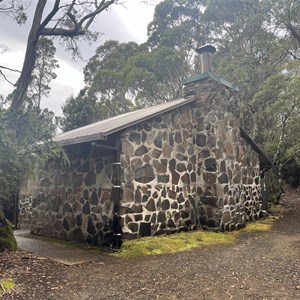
<point>72,200</point>
<point>184,169</point>
<point>190,168</point>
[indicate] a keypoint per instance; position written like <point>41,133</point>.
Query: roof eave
<point>83,139</point>
<point>104,134</point>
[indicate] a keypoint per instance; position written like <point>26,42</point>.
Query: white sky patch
<point>68,82</point>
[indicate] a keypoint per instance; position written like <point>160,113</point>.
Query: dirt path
<point>259,266</point>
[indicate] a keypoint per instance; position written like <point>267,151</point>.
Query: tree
<point>79,111</point>
<point>67,20</point>
<point>24,140</point>
<point>14,9</point>
<point>106,80</point>
<point>285,15</point>
<point>121,77</point>
<point>42,73</point>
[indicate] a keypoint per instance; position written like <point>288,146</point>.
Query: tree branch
<point>5,78</point>
<point>51,14</point>
<point>9,69</point>
<point>78,28</point>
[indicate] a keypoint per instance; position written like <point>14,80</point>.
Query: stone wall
<point>189,168</point>
<point>25,211</point>
<point>185,169</point>
<point>159,160</point>
<point>72,200</point>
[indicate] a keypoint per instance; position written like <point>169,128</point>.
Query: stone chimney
<point>205,53</point>
<point>195,84</point>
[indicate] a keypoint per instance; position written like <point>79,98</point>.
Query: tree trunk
<point>29,60</point>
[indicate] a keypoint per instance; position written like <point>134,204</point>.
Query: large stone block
<point>77,179</point>
<point>128,195</point>
<point>136,164</point>
<point>161,217</point>
<point>56,203</point>
<point>86,209</point>
<point>133,227</point>
<point>45,182</point>
<point>211,164</point>
<point>84,167</point>
<point>76,235</point>
<point>201,140</point>
<point>127,147</point>
<point>160,167</point>
<point>158,140</point>
<point>226,217</point>
<point>163,178</point>
<point>94,199</point>
<point>145,174</point>
<point>135,137</point>
<point>66,224</point>
<point>181,167</point>
<point>150,206</point>
<point>141,150</point>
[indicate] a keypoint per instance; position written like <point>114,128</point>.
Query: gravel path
<point>259,266</point>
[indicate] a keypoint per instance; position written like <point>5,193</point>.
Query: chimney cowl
<point>205,53</point>
<point>206,48</point>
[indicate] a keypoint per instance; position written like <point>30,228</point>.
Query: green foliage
<point>14,9</point>
<point>79,111</point>
<point>291,171</point>
<point>25,141</point>
<point>42,73</point>
<point>7,239</point>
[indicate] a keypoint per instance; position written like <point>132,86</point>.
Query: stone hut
<point>185,164</point>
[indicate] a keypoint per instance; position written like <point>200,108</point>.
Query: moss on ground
<point>260,225</point>
<point>172,243</point>
<point>6,285</point>
<point>187,240</point>
<point>7,239</point>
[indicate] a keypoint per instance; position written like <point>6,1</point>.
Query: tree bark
<point>29,61</point>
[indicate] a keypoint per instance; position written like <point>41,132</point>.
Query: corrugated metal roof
<point>100,130</point>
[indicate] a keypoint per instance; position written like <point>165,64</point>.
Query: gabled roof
<point>100,130</point>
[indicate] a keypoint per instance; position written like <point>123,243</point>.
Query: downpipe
<point>116,197</point>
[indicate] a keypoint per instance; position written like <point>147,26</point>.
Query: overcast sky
<point>124,23</point>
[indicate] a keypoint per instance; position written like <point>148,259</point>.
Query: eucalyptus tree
<point>24,127</point>
<point>43,72</point>
<point>79,111</point>
<point>67,20</point>
<point>121,77</point>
